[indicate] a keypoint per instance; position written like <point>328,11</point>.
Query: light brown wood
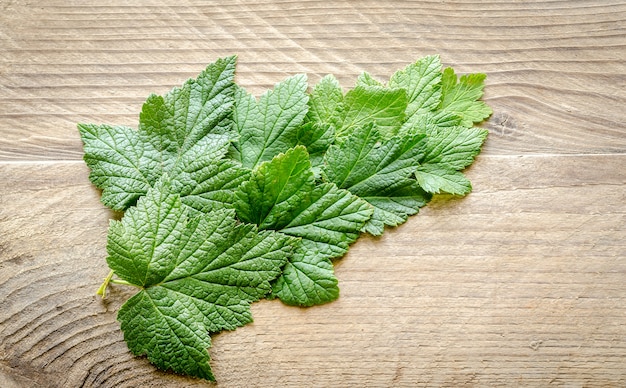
<point>519,283</point>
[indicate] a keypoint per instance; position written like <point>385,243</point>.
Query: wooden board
<point>520,283</point>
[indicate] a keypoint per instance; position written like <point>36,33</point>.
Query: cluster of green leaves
<point>229,199</point>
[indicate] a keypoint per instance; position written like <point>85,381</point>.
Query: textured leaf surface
<point>366,79</point>
<point>318,131</point>
<point>178,120</point>
<point>328,220</point>
<point>196,275</point>
<point>325,99</point>
<point>122,163</point>
<point>307,279</point>
<point>275,190</point>
<point>422,82</point>
<point>461,98</point>
<point>366,104</point>
<point>447,151</point>
<point>204,178</point>
<point>316,138</point>
<point>455,147</point>
<point>394,205</point>
<point>269,127</point>
<point>174,132</point>
<point>437,178</point>
<point>364,163</point>
<point>282,195</point>
<point>304,173</point>
<point>380,171</point>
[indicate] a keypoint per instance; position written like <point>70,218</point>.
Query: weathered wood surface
<point>520,283</point>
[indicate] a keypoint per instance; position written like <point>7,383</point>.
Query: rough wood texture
<point>520,283</point>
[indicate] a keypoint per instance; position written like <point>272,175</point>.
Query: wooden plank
<point>520,283</point>
<point>556,69</point>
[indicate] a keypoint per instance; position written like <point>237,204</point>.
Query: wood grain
<point>551,65</point>
<point>519,284</point>
<point>522,281</point>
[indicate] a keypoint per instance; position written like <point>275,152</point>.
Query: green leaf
<point>281,195</point>
<point>204,178</point>
<point>178,120</point>
<point>318,132</point>
<point>364,163</point>
<point>307,280</point>
<point>316,138</point>
<point>421,123</point>
<point>422,82</point>
<point>437,178</point>
<point>196,276</point>
<point>447,151</point>
<point>455,147</point>
<point>366,79</point>
<point>269,127</point>
<point>122,163</point>
<point>271,197</point>
<point>324,100</point>
<point>380,171</point>
<point>393,206</point>
<point>365,104</point>
<point>461,98</point>
<point>176,135</point>
<point>328,221</point>
<point>208,151</point>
